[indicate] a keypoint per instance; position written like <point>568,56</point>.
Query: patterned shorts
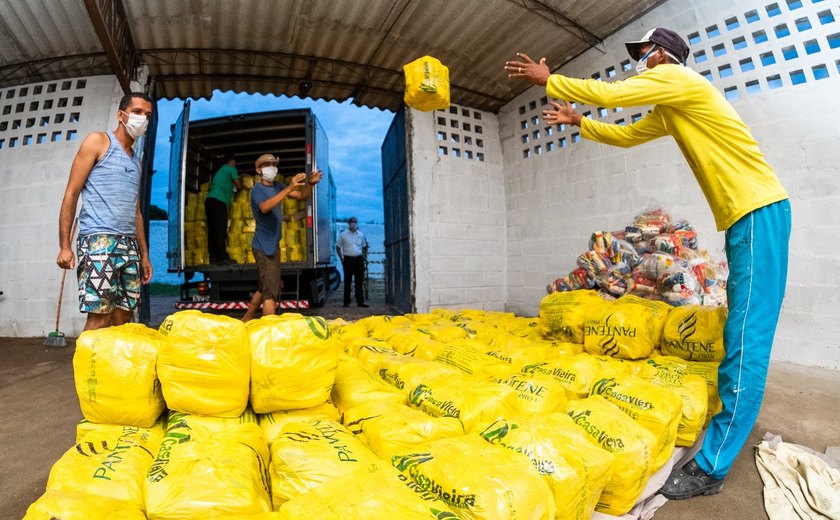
<point>109,273</point>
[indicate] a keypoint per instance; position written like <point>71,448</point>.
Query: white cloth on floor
<point>799,483</point>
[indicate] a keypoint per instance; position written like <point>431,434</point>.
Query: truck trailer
<point>307,248</point>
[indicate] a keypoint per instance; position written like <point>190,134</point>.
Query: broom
<point>56,338</point>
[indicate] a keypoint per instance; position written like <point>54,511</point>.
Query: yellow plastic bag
<point>293,362</point>
<point>575,470</point>
<point>272,423</point>
<point>695,332</point>
<point>426,84</point>
<point>629,328</point>
<point>402,430</point>
<point>77,505</point>
<point>466,355</point>
<point>692,392</point>
<point>376,492</point>
<point>474,402</point>
<point>562,314</point>
<point>633,446</point>
<point>478,480</point>
<point>575,373</point>
<point>535,394</point>
<point>204,364</point>
<point>355,386</point>
<point>208,467</point>
<point>707,371</point>
<point>307,454</point>
<point>405,373</point>
<point>108,463</point>
<point>655,408</point>
<point>115,375</point>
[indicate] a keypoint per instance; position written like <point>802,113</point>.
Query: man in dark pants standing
<point>216,206</point>
<point>351,247</point>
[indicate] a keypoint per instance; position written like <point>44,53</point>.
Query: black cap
<point>665,38</point>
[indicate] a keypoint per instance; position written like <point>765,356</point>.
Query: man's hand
<point>528,69</point>
<point>315,178</point>
<point>146,269</point>
<point>65,259</point>
<point>561,114</point>
<point>299,180</point>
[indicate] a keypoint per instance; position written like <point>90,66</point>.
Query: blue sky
<point>355,136</point>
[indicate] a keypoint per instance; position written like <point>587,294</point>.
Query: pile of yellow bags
<point>448,414</point>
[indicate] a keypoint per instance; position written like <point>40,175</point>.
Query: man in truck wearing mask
<point>266,198</point>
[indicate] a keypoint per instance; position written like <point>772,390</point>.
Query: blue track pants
<point>757,252</point>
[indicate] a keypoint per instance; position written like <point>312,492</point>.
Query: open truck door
<point>177,189</point>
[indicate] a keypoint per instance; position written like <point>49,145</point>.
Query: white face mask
<point>136,125</point>
<point>641,66</point>
<point>269,173</point>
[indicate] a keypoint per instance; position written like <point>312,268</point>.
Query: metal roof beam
<point>29,71</point>
<point>560,20</point>
<point>111,25</point>
<point>366,74</point>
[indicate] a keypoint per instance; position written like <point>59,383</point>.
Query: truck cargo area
<point>296,138</point>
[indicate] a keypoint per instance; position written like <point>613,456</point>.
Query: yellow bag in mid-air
<point>478,480</point>
<point>204,364</point>
<point>376,492</point>
<point>293,362</point>
<point>695,333</point>
<point>115,374</point>
<point>426,84</point>
<point>633,446</point>
<point>575,470</point>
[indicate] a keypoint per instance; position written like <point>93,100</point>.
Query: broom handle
<point>63,277</point>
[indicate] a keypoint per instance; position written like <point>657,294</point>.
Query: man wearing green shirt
<point>216,206</point>
<point>746,199</point>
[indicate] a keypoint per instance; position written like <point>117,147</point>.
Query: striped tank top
<point>109,197</point>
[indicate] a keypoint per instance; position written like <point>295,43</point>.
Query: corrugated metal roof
<point>341,48</point>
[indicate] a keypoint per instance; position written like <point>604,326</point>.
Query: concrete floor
<point>40,411</point>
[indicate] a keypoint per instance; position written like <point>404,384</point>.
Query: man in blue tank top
<point>112,250</point>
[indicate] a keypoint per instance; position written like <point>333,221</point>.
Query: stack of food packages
<point>195,228</point>
<point>293,244</point>
<point>241,224</point>
<point>450,414</point>
<point>654,258</point>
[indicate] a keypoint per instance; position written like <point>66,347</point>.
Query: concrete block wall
<point>457,209</point>
<point>556,199</point>
<point>34,173</point>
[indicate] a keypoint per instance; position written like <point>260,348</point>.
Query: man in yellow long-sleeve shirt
<point>747,201</point>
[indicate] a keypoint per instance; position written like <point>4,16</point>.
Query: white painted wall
<point>34,178</point>
<point>555,200</point>
<point>457,213</point>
